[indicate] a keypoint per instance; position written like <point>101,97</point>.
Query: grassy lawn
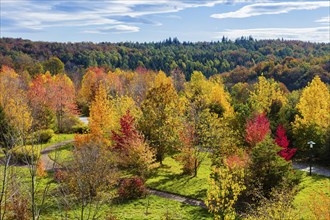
<point>315,192</point>
<point>57,138</point>
<point>62,154</point>
<point>169,178</point>
<point>159,208</point>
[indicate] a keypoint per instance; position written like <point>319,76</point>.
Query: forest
<point>294,63</point>
<point>217,123</point>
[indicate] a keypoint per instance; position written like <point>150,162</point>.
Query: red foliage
<point>237,161</point>
<point>257,129</point>
<point>127,132</point>
<point>131,188</point>
<point>282,141</point>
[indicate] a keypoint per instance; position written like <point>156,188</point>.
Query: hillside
<point>293,63</point>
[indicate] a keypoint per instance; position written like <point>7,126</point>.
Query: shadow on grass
<point>200,213</point>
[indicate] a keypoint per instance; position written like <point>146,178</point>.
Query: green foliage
<point>54,65</point>
<point>72,124</point>
<point>160,123</point>
<point>28,154</point>
<point>268,169</point>
<point>255,56</point>
<point>7,137</point>
<point>42,136</point>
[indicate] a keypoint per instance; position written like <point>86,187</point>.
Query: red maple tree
<point>282,141</point>
<point>256,129</point>
<point>127,132</point>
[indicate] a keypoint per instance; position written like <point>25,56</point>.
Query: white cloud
<point>42,14</point>
<point>324,20</point>
<point>117,29</point>
<point>314,34</point>
<point>271,8</point>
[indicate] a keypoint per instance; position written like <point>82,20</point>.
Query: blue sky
<point>156,20</point>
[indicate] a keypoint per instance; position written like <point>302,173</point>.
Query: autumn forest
<point>221,125</point>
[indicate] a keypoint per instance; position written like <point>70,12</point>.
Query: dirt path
<point>49,163</point>
<point>179,198</point>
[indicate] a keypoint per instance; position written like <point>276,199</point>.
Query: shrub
<point>132,188</point>
<point>41,170</point>
<point>59,175</point>
<point>268,169</point>
<point>72,124</point>
<point>278,206</point>
<point>45,135</point>
<point>80,129</point>
<point>26,154</point>
<point>19,208</point>
<point>226,183</point>
<point>41,136</point>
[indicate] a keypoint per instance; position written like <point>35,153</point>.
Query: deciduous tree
<point>161,116</point>
<point>256,129</point>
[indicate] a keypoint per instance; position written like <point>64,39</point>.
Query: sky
<point>157,20</point>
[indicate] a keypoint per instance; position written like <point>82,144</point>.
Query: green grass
<point>311,189</point>
<point>57,138</point>
<point>169,178</point>
<point>62,154</point>
<point>158,209</point>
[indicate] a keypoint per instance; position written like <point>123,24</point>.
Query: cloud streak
<point>324,20</point>
<point>100,14</point>
<point>314,34</point>
<point>271,9</point>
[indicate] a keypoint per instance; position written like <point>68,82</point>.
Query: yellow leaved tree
<point>101,119</point>
<point>313,121</point>
<point>14,101</point>
<point>265,94</point>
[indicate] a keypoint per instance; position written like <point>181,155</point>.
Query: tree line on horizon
<point>293,63</point>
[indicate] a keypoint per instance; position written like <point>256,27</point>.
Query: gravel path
<point>315,168</point>
<point>179,198</point>
<point>49,163</point>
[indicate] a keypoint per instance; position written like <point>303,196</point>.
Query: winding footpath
<point>47,161</point>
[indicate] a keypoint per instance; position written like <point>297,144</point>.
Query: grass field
<point>169,178</point>
<point>313,199</point>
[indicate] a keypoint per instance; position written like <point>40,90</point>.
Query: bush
<point>41,136</point>
<point>80,129</point>
<point>26,154</point>
<point>132,188</point>
<point>72,124</point>
<point>268,169</point>
<point>59,176</point>
<point>45,135</point>
<point>278,206</point>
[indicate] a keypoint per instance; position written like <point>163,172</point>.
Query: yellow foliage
<point>14,101</point>
<point>265,93</point>
<point>101,120</point>
<point>205,93</point>
<point>225,186</point>
<point>314,105</point>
